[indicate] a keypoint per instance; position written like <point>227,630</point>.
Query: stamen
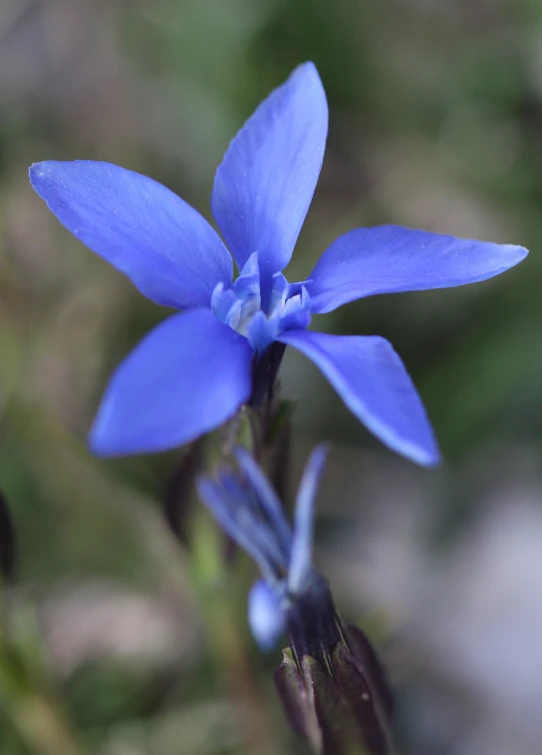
<point>240,306</point>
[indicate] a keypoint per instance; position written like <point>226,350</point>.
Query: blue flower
<point>194,370</point>
<point>250,511</point>
<point>332,685</point>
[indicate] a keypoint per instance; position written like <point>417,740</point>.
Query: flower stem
<point>41,725</point>
<point>266,367</point>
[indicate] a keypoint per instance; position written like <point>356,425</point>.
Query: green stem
<point>41,725</point>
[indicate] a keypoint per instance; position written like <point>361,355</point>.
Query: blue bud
<point>265,615</point>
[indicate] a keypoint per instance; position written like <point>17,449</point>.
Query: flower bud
<point>332,685</point>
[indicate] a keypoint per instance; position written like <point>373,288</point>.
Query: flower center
<point>240,306</point>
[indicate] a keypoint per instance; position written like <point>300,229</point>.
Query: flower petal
<point>388,258</point>
<point>373,383</point>
<point>163,245</point>
<point>186,377</point>
<point>264,186</point>
<point>300,569</point>
<point>265,616</point>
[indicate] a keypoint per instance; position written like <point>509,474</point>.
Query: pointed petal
<point>186,377</point>
<point>373,383</point>
<point>388,259</point>
<point>300,570</point>
<point>166,248</point>
<point>268,499</point>
<point>242,525</point>
<point>264,186</point>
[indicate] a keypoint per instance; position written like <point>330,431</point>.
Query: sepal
<point>339,703</point>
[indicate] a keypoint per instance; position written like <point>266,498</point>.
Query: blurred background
<point>435,122</point>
